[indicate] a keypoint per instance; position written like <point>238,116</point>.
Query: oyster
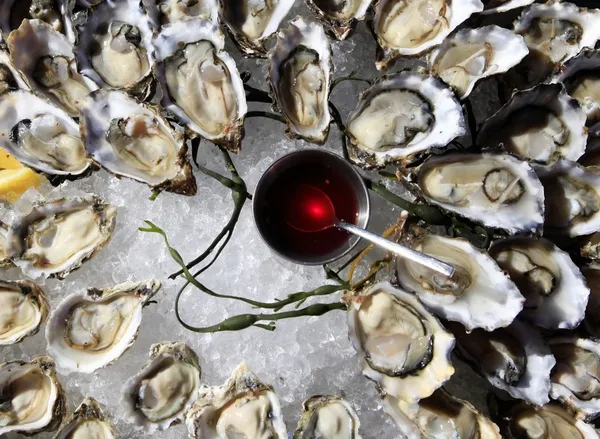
<point>165,12</point>
<point>46,59</point>
<point>33,400</point>
<point>92,329</point>
<point>165,389</point>
<point>134,140</point>
<point>414,27</point>
<point>115,47</point>
<point>4,259</point>
<point>327,417</point>
<point>54,12</point>
<point>88,421</point>
<point>242,407</point>
<point>555,291</point>
<point>251,22</point>
<point>57,236</point>
<point>23,308</point>
<point>515,359</point>
<point>402,346</point>
<point>339,17</point>
<point>300,75</point>
<point>541,125</point>
<point>478,295</point>
<point>440,416</point>
<point>473,54</point>
<point>495,6</point>
<point>591,322</point>
<point>201,84</point>
<point>495,189</point>
<point>572,199</point>
<point>10,78</point>
<point>400,116</point>
<point>41,135</point>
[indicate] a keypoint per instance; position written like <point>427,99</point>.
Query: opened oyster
<point>201,84</point>
<point>251,22</point>
<point>440,416</point>
<point>495,189</point>
<point>300,75</point>
<point>41,135</point>
<point>242,407</point>
<point>46,59</point>
<point>414,27</point>
<point>327,417</point>
<point>400,116</point>
<point>93,328</point>
<point>572,199</point>
<point>473,54</point>
<point>555,291</point>
<point>515,359</point>
<point>591,322</point>
<point>57,236</point>
<point>478,295</point>
<point>496,6</point>
<point>54,12</point>
<point>134,140</point>
<point>165,12</point>
<point>23,308</point>
<point>541,125</point>
<point>10,78</point>
<point>402,346</point>
<point>115,47</point>
<point>33,401</point>
<point>339,16</point>
<point>165,389</point>
<point>88,421</point>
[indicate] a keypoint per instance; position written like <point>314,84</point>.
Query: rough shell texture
<point>88,412</point>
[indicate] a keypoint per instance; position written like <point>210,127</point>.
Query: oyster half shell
<point>23,308</point>
<point>339,17</point>
<point>327,417</point>
<point>92,329</point>
<point>165,12</point>
<point>88,421</point>
<point>56,13</point>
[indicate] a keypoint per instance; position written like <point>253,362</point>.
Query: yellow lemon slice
<point>15,182</point>
<point>7,161</point>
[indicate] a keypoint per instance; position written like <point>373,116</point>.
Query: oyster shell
<point>495,6</point>
<point>134,140</point>
<point>93,328</point>
<point>54,12</point>
<point>591,322</point>
<point>201,84</point>
<point>165,12</point>
<point>115,47</point>
<point>473,54</point>
<point>339,17</point>
<point>10,78</point>
<point>515,359</point>
<point>327,417</point>
<point>243,406</point>
<point>414,27</point>
<point>88,421</point>
<point>402,346</point>
<point>478,295</point>
<point>495,189</point>
<point>555,290</point>
<point>251,22</point>
<point>46,59</point>
<point>57,236</point>
<point>541,125</point>
<point>400,116</point>
<point>440,416</point>
<point>41,135</point>
<point>300,75</point>
<point>165,389</point>
<point>23,308</point>
<point>33,400</point>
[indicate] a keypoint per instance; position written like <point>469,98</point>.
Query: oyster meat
<point>46,59</point>
<point>88,421</point>
<point>93,328</point>
<point>414,27</point>
<point>56,13</point>
<point>339,17</point>
<point>400,116</point>
<point>134,140</point>
<point>300,75</point>
<point>555,290</point>
<point>402,346</point>
<point>327,417</point>
<point>23,308</point>
<point>33,400</point>
<point>165,389</point>
<point>41,135</point>
<point>473,54</point>
<point>478,295</point>
<point>57,236</point>
<point>591,322</point>
<point>242,407</point>
<point>495,189</point>
<point>201,84</point>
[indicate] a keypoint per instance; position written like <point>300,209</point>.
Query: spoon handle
<point>400,250</point>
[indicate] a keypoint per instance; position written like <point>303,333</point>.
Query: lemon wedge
<point>15,182</point>
<point>7,161</point>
